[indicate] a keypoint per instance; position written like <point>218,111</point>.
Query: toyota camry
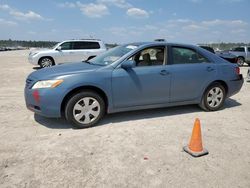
<point>132,77</point>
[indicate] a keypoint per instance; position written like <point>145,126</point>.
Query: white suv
<point>67,52</point>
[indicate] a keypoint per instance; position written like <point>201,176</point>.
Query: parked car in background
<point>228,56</point>
<point>2,49</point>
<point>225,55</point>
<point>132,77</point>
<point>67,52</point>
<point>242,53</point>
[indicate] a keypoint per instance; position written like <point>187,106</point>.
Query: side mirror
<point>59,48</point>
<point>129,64</point>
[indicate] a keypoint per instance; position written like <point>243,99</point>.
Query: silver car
<point>67,52</point>
<point>243,54</point>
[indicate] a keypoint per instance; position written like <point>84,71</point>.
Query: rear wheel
<point>213,98</point>
<point>240,61</point>
<point>85,109</point>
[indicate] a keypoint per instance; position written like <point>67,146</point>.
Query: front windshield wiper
<point>86,61</point>
<point>92,63</point>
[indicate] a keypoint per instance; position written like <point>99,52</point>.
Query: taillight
<point>237,70</point>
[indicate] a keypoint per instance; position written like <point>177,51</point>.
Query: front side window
<point>66,46</point>
<point>149,57</point>
<point>248,49</point>
<point>186,56</point>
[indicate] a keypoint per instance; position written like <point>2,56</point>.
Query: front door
<point>65,55</point>
<point>146,84</point>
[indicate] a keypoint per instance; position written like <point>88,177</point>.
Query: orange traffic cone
<point>195,147</point>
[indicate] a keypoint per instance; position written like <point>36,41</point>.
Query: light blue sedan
<point>132,77</point>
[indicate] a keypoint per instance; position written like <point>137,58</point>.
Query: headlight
<point>47,84</point>
<point>32,54</point>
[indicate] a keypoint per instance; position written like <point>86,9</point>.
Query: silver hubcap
<point>215,97</point>
<point>46,62</point>
<point>86,110</point>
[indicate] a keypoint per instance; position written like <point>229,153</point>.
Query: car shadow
<point>230,103</point>
<point>149,114</point>
<point>52,123</point>
<point>36,68</point>
<point>61,123</point>
<point>245,65</point>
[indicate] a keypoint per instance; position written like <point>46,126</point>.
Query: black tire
<point>46,62</point>
<point>70,109</point>
<point>208,100</point>
<point>240,61</point>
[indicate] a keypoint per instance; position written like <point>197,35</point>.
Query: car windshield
<point>112,55</point>
<point>53,47</point>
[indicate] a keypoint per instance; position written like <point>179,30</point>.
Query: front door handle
<point>209,69</point>
<point>164,72</point>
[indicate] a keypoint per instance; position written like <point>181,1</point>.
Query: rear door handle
<point>164,72</point>
<point>209,69</point>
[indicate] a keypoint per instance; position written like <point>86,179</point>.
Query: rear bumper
<point>234,86</point>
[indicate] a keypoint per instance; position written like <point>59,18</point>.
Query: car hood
<point>64,70</point>
<point>44,50</point>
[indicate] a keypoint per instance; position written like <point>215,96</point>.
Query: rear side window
<point>183,55</point>
<point>86,45</point>
<point>239,49</point>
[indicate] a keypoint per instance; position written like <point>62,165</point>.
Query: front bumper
<point>45,102</point>
<point>33,60</point>
<point>234,86</point>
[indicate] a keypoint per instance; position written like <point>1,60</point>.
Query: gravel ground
<point>132,149</point>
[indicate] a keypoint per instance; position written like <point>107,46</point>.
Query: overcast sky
<point>121,21</point>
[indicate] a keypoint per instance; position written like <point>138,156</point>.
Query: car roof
<point>83,40</point>
<point>141,44</point>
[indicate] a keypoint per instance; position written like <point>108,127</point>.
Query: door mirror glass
<point>129,64</point>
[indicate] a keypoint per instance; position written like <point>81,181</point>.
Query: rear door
<point>85,49</point>
<point>191,73</point>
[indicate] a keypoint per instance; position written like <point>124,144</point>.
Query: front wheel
<point>46,62</point>
<point>213,98</point>
<point>85,109</point>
